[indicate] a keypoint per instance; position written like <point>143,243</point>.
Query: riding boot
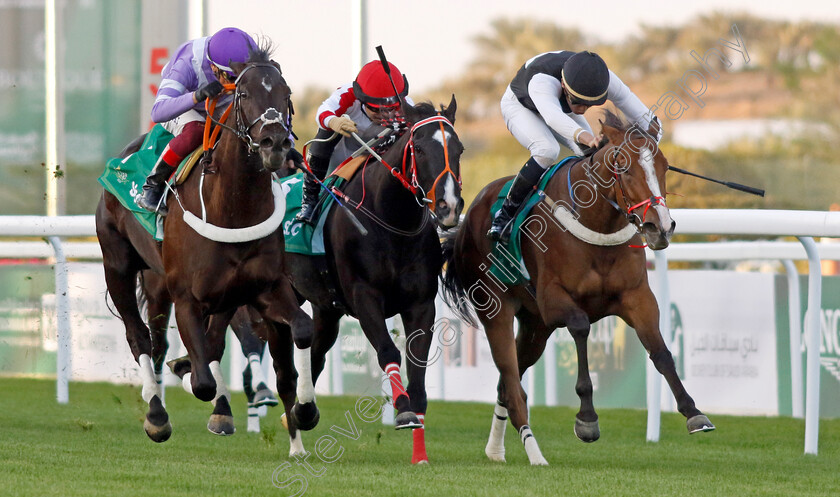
<point>523,184</point>
<point>311,189</point>
<point>154,188</point>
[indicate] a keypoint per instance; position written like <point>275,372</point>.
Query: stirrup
<point>307,214</point>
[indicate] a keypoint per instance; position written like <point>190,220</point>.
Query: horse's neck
<point>588,176</point>
<point>390,200</point>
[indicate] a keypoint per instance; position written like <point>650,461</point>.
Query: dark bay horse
<point>394,268</point>
<point>581,248</point>
<point>221,250</point>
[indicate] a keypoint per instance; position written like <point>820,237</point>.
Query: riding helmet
<point>586,78</point>
<point>229,45</point>
<point>373,87</point>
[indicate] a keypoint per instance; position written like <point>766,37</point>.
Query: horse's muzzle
<point>448,215</point>
<point>657,238</point>
<point>273,150</point>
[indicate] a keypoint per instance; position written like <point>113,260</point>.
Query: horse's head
<point>435,154</point>
<point>263,107</point>
<point>639,168</point>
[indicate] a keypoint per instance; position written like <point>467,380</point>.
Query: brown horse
<point>581,248</point>
<point>228,255</point>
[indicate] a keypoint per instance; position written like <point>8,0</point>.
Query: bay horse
<point>394,268</point>
<point>581,246</point>
<point>230,256</point>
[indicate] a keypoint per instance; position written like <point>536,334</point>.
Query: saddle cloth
<point>507,264</point>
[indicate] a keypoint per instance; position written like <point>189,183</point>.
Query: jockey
<point>543,108</point>
<point>196,72</point>
<point>352,108</point>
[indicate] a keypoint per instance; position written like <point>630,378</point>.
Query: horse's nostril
<point>267,142</point>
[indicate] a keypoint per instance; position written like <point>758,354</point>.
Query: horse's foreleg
<point>326,332</point>
<point>419,322</point>
<point>640,311</point>
<point>369,305</point>
<point>159,307</point>
<point>499,332</point>
<point>282,351</point>
<point>281,306</point>
<point>221,420</point>
<point>199,380</point>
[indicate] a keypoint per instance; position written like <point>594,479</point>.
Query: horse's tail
<point>453,292</point>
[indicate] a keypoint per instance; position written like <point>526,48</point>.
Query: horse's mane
<point>426,109</point>
<point>263,51</point>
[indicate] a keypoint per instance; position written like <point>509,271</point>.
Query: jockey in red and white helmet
<point>352,108</point>
<point>196,72</point>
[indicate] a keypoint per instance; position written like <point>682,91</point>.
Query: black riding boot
<point>154,187</point>
<point>311,189</point>
<point>523,184</point>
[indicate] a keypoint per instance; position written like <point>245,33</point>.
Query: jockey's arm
<point>628,103</point>
<point>544,91</point>
<point>175,94</point>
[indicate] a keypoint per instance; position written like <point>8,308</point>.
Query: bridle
<point>629,211</point>
<point>242,129</point>
<point>409,163</point>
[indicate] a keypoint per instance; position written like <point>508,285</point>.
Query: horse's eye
<point>418,150</point>
<point>243,95</point>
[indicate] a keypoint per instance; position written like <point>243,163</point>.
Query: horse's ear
<point>237,67</point>
<point>614,135</point>
<point>275,64</point>
<point>409,111</point>
<point>449,111</point>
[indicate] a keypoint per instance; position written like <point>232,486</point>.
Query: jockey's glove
<point>342,125</point>
<point>211,89</point>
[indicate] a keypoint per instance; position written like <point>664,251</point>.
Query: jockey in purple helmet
<point>196,72</point>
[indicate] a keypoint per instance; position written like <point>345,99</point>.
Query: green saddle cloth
<point>302,238</point>
<point>124,178</point>
<point>507,264</point>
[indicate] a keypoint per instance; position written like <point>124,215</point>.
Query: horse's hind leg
<point>419,322</point>
<point>243,324</point>
<point>122,264</point>
<point>158,307</point>
<point>512,397</point>
<point>639,310</point>
<point>282,351</point>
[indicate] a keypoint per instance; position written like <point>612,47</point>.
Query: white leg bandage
<point>495,448</point>
<point>303,364</point>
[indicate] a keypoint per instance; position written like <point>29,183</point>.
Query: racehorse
<point>229,257</point>
<point>392,269</point>
<point>575,250</point>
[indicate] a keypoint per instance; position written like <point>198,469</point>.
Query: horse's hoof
<point>157,433</point>
<point>305,416</point>
<point>221,424</point>
<point>494,454</point>
<point>265,397</point>
<point>587,431</point>
<point>407,419</point>
<point>699,423</point>
<point>156,423</point>
<point>284,421</point>
<point>180,366</point>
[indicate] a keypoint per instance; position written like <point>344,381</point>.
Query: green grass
<point>95,446</point>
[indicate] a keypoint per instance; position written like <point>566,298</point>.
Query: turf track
<point>95,446</point>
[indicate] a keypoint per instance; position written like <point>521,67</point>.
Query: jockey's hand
<point>211,89</point>
<point>342,125</point>
<point>588,139</point>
